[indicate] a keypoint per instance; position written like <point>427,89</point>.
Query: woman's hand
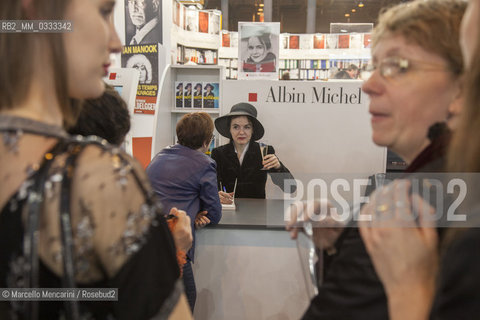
<point>326,229</point>
<point>270,161</point>
<point>225,198</point>
<point>404,252</point>
<point>182,232</point>
<point>201,220</point>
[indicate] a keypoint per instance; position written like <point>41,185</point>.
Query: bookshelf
<point>168,114</point>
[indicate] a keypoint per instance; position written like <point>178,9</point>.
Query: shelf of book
<point>184,89</point>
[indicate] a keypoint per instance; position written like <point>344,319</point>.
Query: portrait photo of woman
<point>259,47</point>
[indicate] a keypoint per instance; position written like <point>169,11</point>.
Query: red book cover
<point>203,21</point>
<point>226,40</point>
<point>319,41</point>
<point>294,42</point>
<point>366,40</point>
<point>344,41</point>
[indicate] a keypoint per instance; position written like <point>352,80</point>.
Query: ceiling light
<point>260,9</point>
<point>261,4</point>
<point>354,10</point>
<point>343,30</point>
<point>361,5</point>
<point>347,15</point>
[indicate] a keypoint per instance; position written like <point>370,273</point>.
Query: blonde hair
<point>433,25</point>
<point>17,51</point>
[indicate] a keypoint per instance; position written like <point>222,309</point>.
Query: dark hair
<point>352,67</point>
<point>342,75</point>
<point>194,130</point>
<point>264,38</point>
<point>106,117</point>
<point>18,52</point>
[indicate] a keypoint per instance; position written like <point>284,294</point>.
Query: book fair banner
<point>143,39</point>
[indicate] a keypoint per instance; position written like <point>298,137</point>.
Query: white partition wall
<point>316,127</point>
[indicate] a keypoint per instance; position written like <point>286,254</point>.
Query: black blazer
<point>250,179</point>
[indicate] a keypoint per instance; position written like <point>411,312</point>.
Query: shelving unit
<point>306,64</point>
<point>167,115</point>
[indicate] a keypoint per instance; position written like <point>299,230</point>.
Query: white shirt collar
<point>144,30</point>
<point>243,153</point>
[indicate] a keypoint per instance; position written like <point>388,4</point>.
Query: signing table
<point>246,267</point>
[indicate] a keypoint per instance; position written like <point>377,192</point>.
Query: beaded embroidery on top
<point>132,239</point>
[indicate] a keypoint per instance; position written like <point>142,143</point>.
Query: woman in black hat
<point>241,159</point>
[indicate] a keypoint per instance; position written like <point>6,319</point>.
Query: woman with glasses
<point>450,290</point>
<point>240,164</point>
<point>184,177</point>
<point>414,84</point>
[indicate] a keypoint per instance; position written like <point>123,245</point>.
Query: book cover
<point>197,95</point>
<point>356,41</point>
<point>203,21</point>
<point>187,95</point>
<point>343,41</point>
<point>284,38</point>
<point>366,40</point>
<point>319,41</point>
<point>178,94</point>
<point>331,41</point>
<point>211,92</point>
<point>293,42</point>
<point>306,41</point>
<point>214,22</point>
<point>234,39</point>
<point>191,20</point>
<point>226,39</point>
<point>176,13</point>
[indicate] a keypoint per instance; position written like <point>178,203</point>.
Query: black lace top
<point>94,197</point>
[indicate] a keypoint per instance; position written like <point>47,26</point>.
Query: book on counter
<point>229,207</point>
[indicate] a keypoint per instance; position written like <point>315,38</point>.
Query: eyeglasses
<point>393,67</point>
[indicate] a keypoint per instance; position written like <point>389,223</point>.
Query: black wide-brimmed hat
<point>209,85</point>
<point>240,109</point>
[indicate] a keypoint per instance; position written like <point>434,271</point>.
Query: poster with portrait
<point>211,92</point>
<point>143,22</point>
<point>258,50</point>
<point>144,58</point>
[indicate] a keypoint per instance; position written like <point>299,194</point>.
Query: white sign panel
<point>315,127</point>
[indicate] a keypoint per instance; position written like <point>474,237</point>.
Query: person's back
<point>176,174</point>
<point>183,176</point>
